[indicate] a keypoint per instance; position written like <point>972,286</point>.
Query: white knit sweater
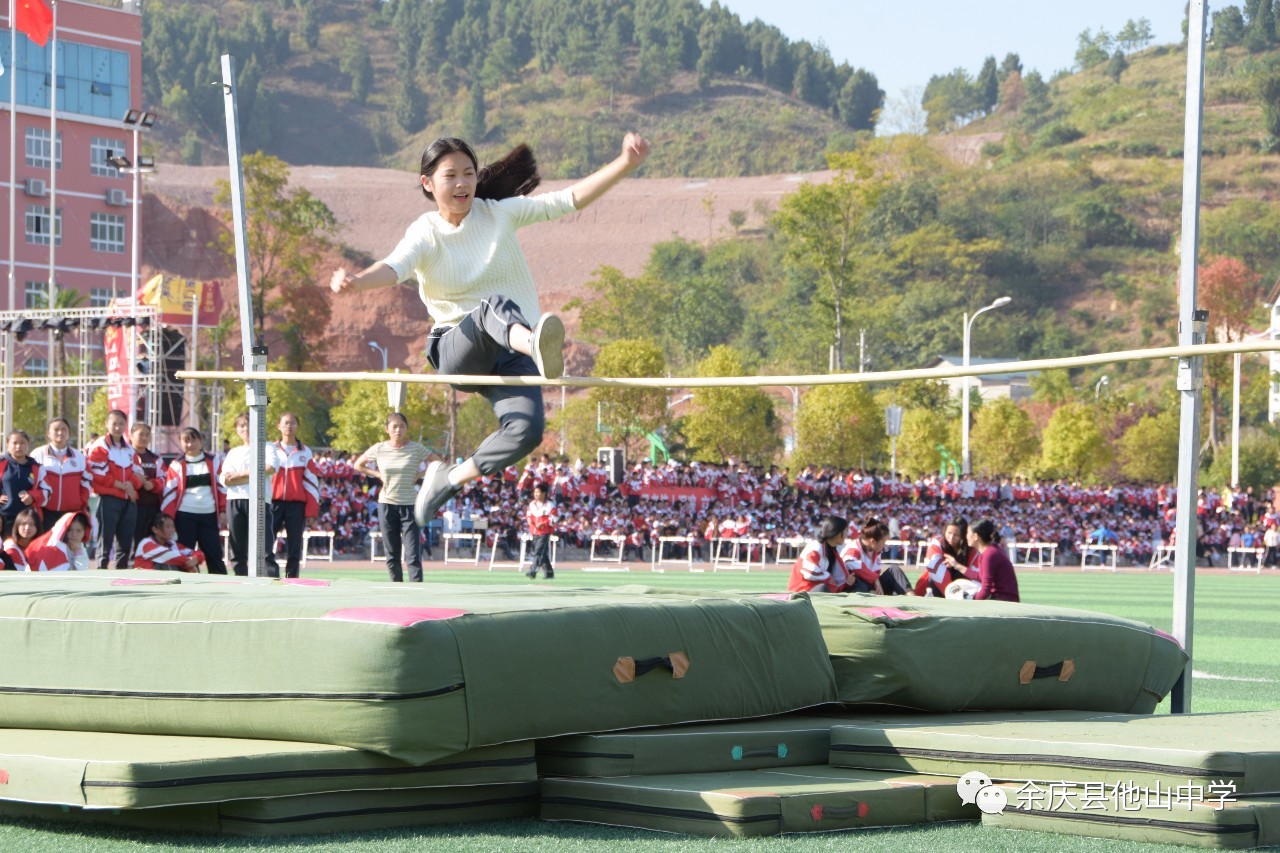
<point>458,266</point>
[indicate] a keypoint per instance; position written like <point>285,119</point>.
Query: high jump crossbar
<point>946,372</point>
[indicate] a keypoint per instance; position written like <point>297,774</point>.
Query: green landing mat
<point>416,672</point>
<point>935,654</point>
<point>1241,749</point>
<point>794,740</point>
<point>1194,817</point>
<point>750,803</point>
<point>346,811</point>
<point>125,771</point>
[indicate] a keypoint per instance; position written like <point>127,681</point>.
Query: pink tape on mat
<point>302,582</point>
<point>777,596</point>
<point>1168,637</point>
<point>888,613</point>
<point>142,581</point>
<point>404,616</point>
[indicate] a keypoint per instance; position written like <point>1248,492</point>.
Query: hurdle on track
<point>658,550</point>
<point>476,539</point>
<point>525,539</point>
<point>1035,555</point>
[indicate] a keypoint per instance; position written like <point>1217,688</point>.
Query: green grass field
<point>1236,660</point>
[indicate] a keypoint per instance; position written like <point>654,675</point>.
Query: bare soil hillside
<point>373,207</point>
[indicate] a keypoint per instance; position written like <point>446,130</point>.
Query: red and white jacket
<point>857,563</point>
<point>18,555</point>
<point>153,553</point>
<point>175,485</point>
<point>49,553</point>
<point>297,478</point>
<point>110,463</point>
<point>66,478</point>
<point>541,516</point>
<point>37,490</point>
<point>938,574</point>
<point>813,572</point>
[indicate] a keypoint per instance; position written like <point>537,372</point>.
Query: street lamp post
<point>795,416</point>
<point>136,121</point>
<point>383,351</point>
<point>1097,388</point>
<point>1235,409</point>
<point>966,461</point>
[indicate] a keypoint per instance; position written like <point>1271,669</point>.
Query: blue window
<point>91,80</point>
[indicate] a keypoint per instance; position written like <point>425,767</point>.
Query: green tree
<point>1259,462</point>
<point>410,105</point>
<point>1073,444</point>
<point>922,431</point>
<point>820,224</point>
<point>860,100</point>
<point>287,230</point>
<point>1147,452</point>
<point>622,307</point>
<point>473,116</point>
<point>502,66</point>
<point>577,423</point>
<point>839,425</point>
<point>359,417</point>
<point>988,85</point>
<point>1117,65</point>
<point>731,422</point>
<point>309,26</point>
<point>630,412</point>
<point>1228,27</point>
<point>1004,440</point>
<point>358,65</point>
<point>1092,49</point>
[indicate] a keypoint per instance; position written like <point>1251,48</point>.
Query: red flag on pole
<point>34,18</point>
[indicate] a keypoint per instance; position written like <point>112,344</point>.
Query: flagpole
<point>9,353</point>
<point>53,202</point>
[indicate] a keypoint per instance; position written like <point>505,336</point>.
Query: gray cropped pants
<point>480,344</point>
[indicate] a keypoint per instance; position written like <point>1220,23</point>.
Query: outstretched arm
<point>378,275</point>
<point>635,148</point>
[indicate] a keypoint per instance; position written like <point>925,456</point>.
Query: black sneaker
<point>548,346</point>
<point>531,575</point>
<point>434,492</point>
<point>548,575</point>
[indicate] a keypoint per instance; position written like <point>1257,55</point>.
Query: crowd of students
<point>118,504</point>
<point>128,486</point>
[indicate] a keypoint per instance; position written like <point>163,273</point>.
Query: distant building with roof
<point>1014,386</point>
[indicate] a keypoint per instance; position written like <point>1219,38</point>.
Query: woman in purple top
<point>995,570</point>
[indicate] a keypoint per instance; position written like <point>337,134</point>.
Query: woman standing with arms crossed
<point>397,463</point>
<point>475,282</point>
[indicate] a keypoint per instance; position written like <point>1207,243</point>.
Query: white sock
<point>455,478</point>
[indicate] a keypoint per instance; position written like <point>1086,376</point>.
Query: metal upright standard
<point>1192,323</point>
<point>255,355</point>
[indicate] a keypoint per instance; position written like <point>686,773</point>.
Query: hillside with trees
<point>368,83</point>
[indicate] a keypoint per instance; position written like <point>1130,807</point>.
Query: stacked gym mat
<point>1210,780</point>
<point>268,707</point>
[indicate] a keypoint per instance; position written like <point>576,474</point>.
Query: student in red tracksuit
<point>64,547</point>
<point>861,558</point>
<point>819,567</point>
<point>116,479</point>
<point>66,475</point>
<point>948,558</point>
<point>295,491</point>
<point>26,527</point>
<point>21,480</point>
<point>541,516</point>
<point>162,550</point>
<point>153,471</point>
<point>196,500</point>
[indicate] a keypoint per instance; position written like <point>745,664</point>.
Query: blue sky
<point>905,43</point>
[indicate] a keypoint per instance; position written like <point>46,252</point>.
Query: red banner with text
<point>120,349</point>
